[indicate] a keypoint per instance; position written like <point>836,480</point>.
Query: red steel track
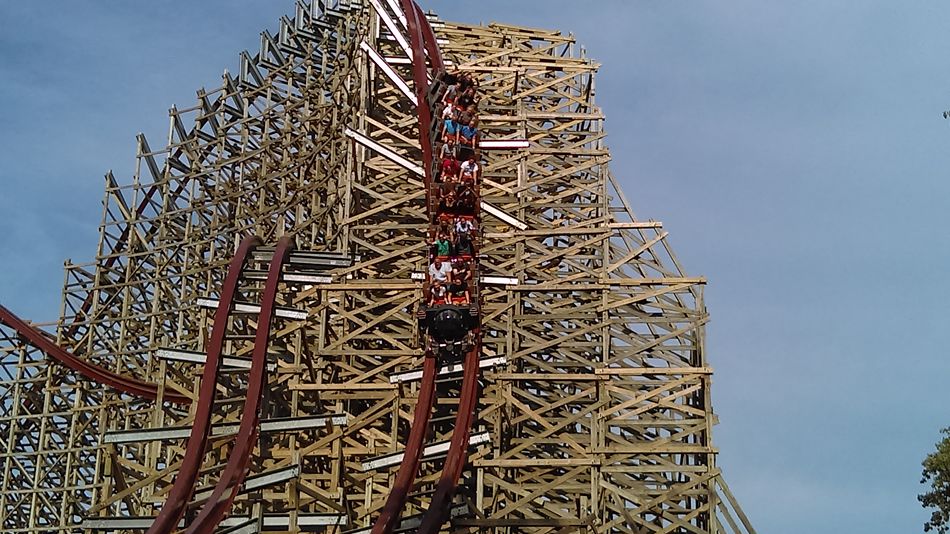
<point>423,40</point>
<point>458,448</point>
<point>410,461</point>
<point>125,384</point>
<point>419,30</point>
<point>185,482</point>
<point>218,505</point>
<point>454,464</point>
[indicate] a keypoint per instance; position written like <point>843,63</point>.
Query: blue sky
<point>795,151</point>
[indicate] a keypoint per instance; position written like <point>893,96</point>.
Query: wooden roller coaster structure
<point>250,349</point>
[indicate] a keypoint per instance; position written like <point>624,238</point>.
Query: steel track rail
<point>125,384</point>
<point>428,34</point>
<point>222,497</point>
<point>389,516</point>
<point>419,30</point>
<point>454,464</point>
<point>184,486</point>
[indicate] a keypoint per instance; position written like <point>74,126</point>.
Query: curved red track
<point>458,448</point>
<point>454,464</point>
<point>409,466</point>
<point>423,40</point>
<point>125,384</point>
<point>218,505</point>
<point>184,485</point>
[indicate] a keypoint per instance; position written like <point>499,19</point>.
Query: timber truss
<point>243,353</point>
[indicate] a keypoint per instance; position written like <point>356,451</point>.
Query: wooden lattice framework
<point>594,412</point>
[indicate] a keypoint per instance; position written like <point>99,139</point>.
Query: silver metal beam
<point>385,152</point>
<point>274,523</point>
<point>255,482</point>
<point>309,258</point>
<point>191,356</point>
<point>288,424</point>
<point>507,219</point>
<point>397,9</point>
<point>246,307</point>
<point>503,144</point>
<point>411,376</point>
<point>393,28</point>
<point>414,521</point>
<point>389,72</point>
<point>499,280</point>
<point>300,278</point>
<point>394,60</point>
<point>247,526</point>
<point>427,453</point>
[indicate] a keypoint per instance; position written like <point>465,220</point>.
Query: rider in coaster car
<point>458,292</point>
<point>439,271</point>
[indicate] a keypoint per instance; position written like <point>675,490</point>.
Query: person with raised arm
<point>466,99</point>
<point>443,245</point>
<point>448,150</point>
<point>452,93</point>
<point>448,204</point>
<point>463,245</point>
<point>464,226</point>
<point>465,201</point>
<point>466,115</point>
<point>462,270</point>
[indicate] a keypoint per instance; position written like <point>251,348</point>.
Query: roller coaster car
<point>448,323</point>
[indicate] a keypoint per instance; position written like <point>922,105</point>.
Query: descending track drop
<point>451,327</point>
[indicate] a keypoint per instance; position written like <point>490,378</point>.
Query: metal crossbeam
<point>289,424</point>
<point>445,370</point>
<point>248,308</point>
<point>189,356</point>
<point>389,72</point>
<point>428,453</point>
<point>269,522</point>
<point>384,151</point>
<point>499,213</point>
